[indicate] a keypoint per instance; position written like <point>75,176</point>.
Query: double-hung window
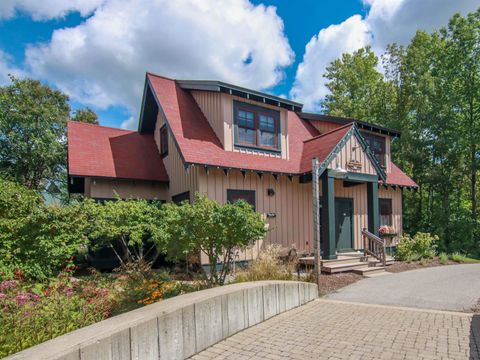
<point>385,207</point>
<point>256,127</point>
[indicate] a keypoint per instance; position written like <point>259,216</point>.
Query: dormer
<point>378,138</point>
<point>244,120</point>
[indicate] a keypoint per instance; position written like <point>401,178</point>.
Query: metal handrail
<point>374,246</point>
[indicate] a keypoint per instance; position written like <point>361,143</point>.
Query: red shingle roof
<point>198,143</point>
<point>321,146</point>
<point>398,177</point>
<point>100,151</point>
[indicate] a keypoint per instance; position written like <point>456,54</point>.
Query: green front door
<point>344,224</point>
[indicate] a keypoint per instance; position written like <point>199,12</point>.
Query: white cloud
<point>6,68</point>
<point>103,61</point>
<point>130,124</point>
<point>47,9</point>
<point>387,21</point>
<point>323,48</point>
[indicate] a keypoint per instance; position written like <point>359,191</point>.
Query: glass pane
<point>246,135</point>
<point>267,138</point>
<point>245,118</point>
<point>267,123</point>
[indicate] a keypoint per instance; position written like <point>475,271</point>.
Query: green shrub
<point>443,257</point>
<point>32,314</point>
<point>214,229</point>
<point>268,266</point>
<point>421,246</point>
<point>37,240</point>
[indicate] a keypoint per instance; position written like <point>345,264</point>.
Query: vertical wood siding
<point>181,180</point>
<point>352,150</point>
<point>211,105</point>
<point>324,126</point>
<point>397,211</point>
<point>127,189</point>
<point>292,204</point>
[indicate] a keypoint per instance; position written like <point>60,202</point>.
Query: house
<point>234,143</point>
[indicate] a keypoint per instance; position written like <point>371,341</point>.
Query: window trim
<point>383,163</point>
<point>163,140</point>
<point>257,111</point>
<point>390,206</point>
<point>252,193</point>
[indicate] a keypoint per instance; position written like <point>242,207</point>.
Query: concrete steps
<point>369,270</point>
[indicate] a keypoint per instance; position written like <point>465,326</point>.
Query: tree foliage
<point>33,120</point>
<point>430,90</point>
<point>214,229</point>
<point>86,115</point>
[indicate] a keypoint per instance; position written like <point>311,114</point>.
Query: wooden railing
<point>374,246</point>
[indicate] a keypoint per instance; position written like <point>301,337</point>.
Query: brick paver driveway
<point>328,329</point>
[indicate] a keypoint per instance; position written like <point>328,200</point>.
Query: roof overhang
<point>342,120</point>
<point>219,86</point>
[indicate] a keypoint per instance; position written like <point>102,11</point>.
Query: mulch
<point>400,266</point>
<point>332,282</point>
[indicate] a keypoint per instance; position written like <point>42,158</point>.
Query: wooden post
<point>316,222</point>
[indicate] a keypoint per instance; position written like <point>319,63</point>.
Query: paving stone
<point>338,330</point>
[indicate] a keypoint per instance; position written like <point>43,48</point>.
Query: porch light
<point>338,172</point>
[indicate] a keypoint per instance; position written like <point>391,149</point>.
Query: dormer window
<point>377,146</point>
<point>256,127</point>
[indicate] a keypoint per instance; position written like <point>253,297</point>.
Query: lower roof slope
<point>100,151</point>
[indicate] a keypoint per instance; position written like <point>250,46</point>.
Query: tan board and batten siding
<point>126,189</point>
<point>352,150</point>
<point>181,180</point>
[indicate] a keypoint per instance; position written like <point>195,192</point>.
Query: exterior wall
<point>211,105</point>
<point>126,189</point>
<point>218,109</point>
<point>352,150</point>
<point>397,211</point>
<point>181,180</point>
<point>324,126</point>
<point>292,205</point>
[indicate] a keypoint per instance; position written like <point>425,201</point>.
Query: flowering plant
<point>386,230</point>
<point>34,313</point>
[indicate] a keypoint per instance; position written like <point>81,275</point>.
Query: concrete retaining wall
<point>178,327</point>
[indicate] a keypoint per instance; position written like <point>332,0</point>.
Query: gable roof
<point>325,147</point>
<point>198,144</point>
<point>343,120</point>
<point>100,151</point>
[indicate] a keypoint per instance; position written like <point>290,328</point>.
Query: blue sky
<point>97,51</point>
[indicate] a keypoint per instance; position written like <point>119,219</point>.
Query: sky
<point>97,51</point>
